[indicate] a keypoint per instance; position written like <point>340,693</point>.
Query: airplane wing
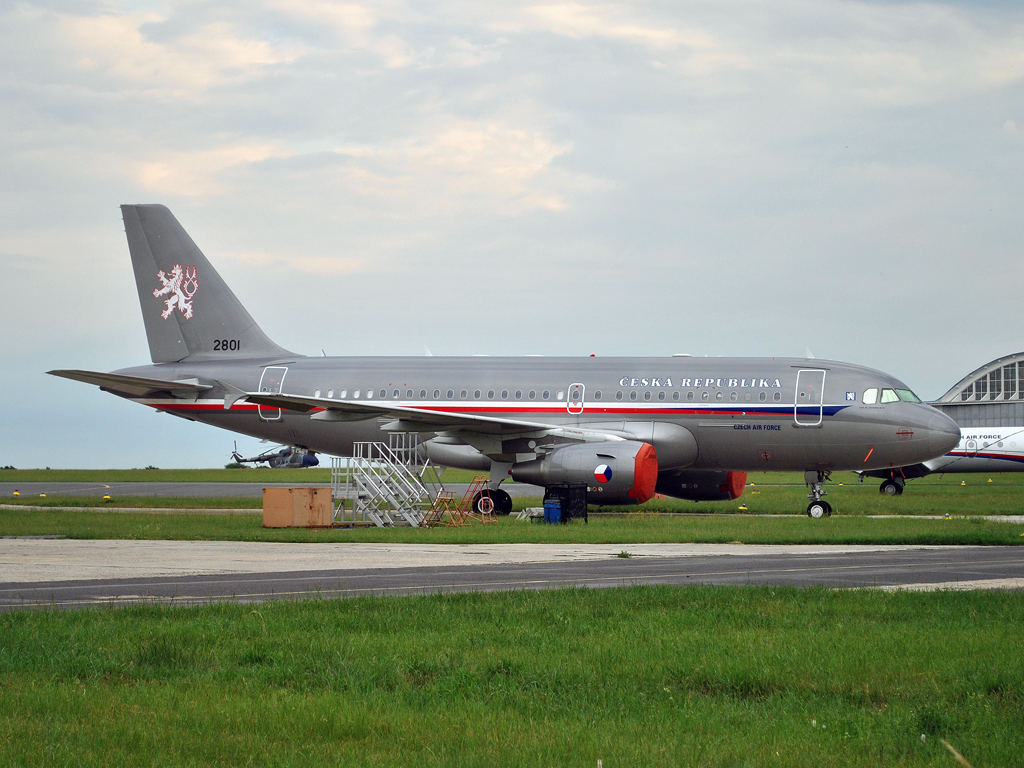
<point>135,386</point>
<point>407,419</point>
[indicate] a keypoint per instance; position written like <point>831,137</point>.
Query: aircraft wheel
<point>484,503</point>
<point>818,509</point>
<point>502,502</point>
<point>890,488</point>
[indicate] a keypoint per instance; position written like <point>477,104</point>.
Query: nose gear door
<point>574,402</point>
<point>270,383</point>
<point>810,386</point>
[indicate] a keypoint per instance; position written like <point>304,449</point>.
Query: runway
<point>201,490</point>
<point>68,574</point>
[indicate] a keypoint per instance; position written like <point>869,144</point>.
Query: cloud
<point>202,172</point>
<point>115,47</point>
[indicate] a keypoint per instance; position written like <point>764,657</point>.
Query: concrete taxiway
<point>67,573</point>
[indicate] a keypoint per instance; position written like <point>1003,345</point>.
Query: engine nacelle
<point>702,486</point>
<point>614,472</point>
<point>458,455</point>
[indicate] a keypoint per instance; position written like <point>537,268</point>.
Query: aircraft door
<point>270,383</point>
<point>810,386</point>
<point>574,402</point>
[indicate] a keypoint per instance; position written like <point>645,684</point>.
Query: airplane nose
<point>943,433</point>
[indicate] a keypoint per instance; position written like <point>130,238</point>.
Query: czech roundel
<point>603,473</point>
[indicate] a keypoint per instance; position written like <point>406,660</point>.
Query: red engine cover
<point>734,484</point>
<point>645,475</point>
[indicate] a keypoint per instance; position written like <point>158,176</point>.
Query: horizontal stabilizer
<point>134,386</point>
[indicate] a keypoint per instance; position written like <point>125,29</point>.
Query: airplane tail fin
<point>188,309</point>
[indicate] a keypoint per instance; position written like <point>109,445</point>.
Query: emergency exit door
<point>574,402</point>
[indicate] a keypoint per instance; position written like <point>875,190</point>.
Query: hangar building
<point>991,396</point>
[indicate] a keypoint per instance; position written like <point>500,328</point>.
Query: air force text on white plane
<point>628,381</point>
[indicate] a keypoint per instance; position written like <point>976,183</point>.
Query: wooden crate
<point>297,508</point>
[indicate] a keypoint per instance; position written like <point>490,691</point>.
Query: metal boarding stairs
<point>385,485</point>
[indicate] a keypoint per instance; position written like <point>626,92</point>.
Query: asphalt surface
<point>200,490</point>
<point>837,567</point>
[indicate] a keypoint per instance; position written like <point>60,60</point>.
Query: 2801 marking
<point>225,345</point>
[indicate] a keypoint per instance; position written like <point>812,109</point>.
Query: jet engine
<point>614,472</point>
<point>702,486</point>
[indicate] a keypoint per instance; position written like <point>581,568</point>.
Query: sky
<point>714,178</point>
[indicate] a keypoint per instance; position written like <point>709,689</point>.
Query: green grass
<point>638,528</point>
<point>647,676</point>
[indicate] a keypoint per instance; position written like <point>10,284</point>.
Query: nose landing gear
<point>817,508</point>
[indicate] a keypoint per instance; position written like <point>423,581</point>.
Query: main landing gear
<point>817,508</point>
<point>496,502</point>
<point>892,487</point>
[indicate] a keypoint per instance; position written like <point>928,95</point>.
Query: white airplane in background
<point>981,449</point>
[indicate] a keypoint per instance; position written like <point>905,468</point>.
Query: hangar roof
<point>1000,380</point>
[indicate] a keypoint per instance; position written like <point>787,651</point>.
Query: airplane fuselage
<point>747,414</point>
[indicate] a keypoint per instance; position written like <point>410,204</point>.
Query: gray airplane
<point>624,428</point>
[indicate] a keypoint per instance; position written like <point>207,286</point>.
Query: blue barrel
<point>553,511</point>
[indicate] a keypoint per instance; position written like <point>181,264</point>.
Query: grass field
<point>647,676</point>
<point>778,529</point>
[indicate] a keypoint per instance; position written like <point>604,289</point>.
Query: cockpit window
<point>907,396</point>
<point>870,396</point>
<point>889,396</point>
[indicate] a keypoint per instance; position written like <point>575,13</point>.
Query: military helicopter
<point>286,457</point>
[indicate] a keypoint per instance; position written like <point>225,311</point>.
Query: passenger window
<point>423,394</point>
<point>689,395</point>
<point>889,396</point>
<point>490,394</point>
<point>504,394</point>
<point>733,396</point>
<point>870,396</point>
<point>330,393</point>
<point>344,393</point>
<point>618,395</point>
<point>747,397</point>
<point>647,395</point>
<point>464,394</point>
<point>476,394</point>
<point>408,394</point>
<point>778,397</point>
<point>533,395</point>
<point>704,395</point>
<point>369,394</point>
<point>519,394</point>
<point>559,395</point>
<point>545,395</point>
<point>451,393</point>
<point>316,393</point>
<point>632,395</point>
<point>396,394</point>
<point>763,396</point>
<point>675,395</point>
<point>597,395</point>
<point>661,395</point>
<point>718,395</point>
<point>356,393</point>
<point>437,394</point>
